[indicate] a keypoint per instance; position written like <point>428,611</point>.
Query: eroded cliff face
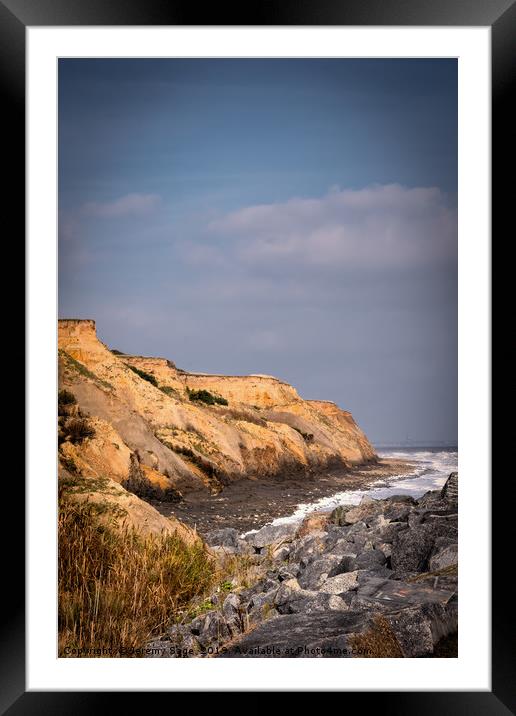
<point>147,425</point>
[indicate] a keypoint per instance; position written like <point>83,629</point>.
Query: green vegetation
<point>77,366</point>
<point>118,353</point>
<point>118,588</point>
<point>78,484</point>
<point>69,464</point>
<point>204,396</point>
<point>172,392</point>
<point>146,376</point>
<point>207,467</point>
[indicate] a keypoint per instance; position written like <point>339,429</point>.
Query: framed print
<point>261,429</point>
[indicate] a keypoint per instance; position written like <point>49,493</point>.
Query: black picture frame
<point>500,15</point>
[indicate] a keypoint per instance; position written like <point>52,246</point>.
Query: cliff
<point>150,426</point>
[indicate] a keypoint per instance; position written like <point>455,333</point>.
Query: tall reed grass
<point>118,588</point>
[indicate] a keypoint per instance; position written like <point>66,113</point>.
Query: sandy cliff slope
<point>148,428</point>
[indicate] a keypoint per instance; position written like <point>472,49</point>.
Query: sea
<point>432,465</point>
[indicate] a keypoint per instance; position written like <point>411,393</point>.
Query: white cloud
<point>128,205</point>
<point>383,225</point>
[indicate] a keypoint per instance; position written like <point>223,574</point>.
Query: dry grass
<point>451,571</point>
<point>118,588</point>
<point>377,642</point>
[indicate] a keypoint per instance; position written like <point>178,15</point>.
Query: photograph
<point>257,407</point>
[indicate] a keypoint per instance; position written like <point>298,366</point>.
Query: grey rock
<point>343,548</point>
<point>359,528</point>
<point>262,606</point>
<point>384,547</point>
<point>450,491</point>
<point>321,602</point>
<point>281,553</point>
<point>288,593</point>
<point>224,537</point>
<point>419,628</point>
<point>271,534</point>
<point>388,533</point>
<point>306,549</point>
<point>335,533</point>
<point>340,583</point>
<point>380,572</point>
<point>398,512</point>
<point>320,569</point>
<point>370,559</point>
<point>394,594</point>
<point>444,557</point>
<point>231,607</point>
<point>406,499</point>
<point>411,549</point>
<point>289,571</point>
<point>260,600</point>
<point>365,512</point>
<point>304,635</point>
<point>210,628</point>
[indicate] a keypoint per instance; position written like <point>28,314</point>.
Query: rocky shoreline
<point>374,580</point>
<point>248,504</point>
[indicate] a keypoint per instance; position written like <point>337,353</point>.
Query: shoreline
<point>251,503</point>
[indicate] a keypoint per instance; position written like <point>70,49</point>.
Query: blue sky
<point>291,217</point>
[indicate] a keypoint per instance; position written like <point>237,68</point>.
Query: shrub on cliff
<point>146,376</point>
<point>77,429</point>
<point>168,390</point>
<point>204,396</point>
<point>116,587</point>
<point>66,403</point>
<point>65,397</point>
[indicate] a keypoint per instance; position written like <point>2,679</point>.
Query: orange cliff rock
<point>266,429</point>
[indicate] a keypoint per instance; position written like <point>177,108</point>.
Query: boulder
<point>450,491</point>
<point>224,537</point>
<point>261,606</point>
<point>419,628</point>
<point>343,548</point>
<point>271,534</point>
<point>389,532</point>
<point>303,635</point>
<point>280,553</point>
<point>395,594</point>
<point>340,583</point>
<point>444,557</point>
<point>384,547</point>
<point>321,602</point>
<point>369,559</point>
<point>405,499</point>
<point>315,522</point>
<point>365,512</point>
<point>288,594</point>
<point>210,628</point>
<point>231,611</point>
<point>411,549</point>
<point>320,569</point>
<point>308,548</point>
<point>398,512</point>
<point>226,540</point>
